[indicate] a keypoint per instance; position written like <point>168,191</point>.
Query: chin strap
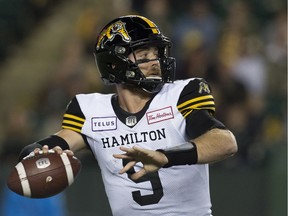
<point>152,87</point>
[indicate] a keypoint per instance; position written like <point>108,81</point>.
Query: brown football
<point>44,175</point>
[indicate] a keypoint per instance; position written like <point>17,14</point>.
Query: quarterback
<point>155,137</point>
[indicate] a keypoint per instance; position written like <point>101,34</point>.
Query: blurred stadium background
<point>239,46</point>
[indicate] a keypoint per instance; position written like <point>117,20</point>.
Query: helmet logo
<point>117,28</point>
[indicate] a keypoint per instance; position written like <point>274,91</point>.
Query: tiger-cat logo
<point>117,28</point>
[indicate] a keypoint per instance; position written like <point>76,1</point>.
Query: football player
<point>155,137</point>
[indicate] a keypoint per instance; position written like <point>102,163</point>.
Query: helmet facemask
<point>151,84</point>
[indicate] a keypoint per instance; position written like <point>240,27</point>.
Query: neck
<point>132,99</point>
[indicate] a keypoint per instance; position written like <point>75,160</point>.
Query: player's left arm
<point>215,145</point>
<point>210,140</point>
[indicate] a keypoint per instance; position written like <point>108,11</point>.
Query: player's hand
<point>151,160</point>
<point>45,149</point>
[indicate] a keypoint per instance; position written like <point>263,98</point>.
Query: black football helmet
<point>123,36</point>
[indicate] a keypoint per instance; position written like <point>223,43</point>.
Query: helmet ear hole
<point>112,78</point>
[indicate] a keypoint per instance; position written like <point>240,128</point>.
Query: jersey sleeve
<point>73,118</point>
<point>196,95</point>
<point>197,106</point>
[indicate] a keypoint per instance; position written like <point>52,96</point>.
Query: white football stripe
<point>68,168</point>
<point>23,179</point>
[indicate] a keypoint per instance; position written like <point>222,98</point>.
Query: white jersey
<point>174,191</point>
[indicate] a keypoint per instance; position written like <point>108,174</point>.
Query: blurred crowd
<point>238,46</point>
<point>17,20</point>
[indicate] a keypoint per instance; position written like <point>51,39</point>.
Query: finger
<point>128,166</point>
<point>141,150</point>
<point>45,149</point>
<point>69,152</point>
<point>138,174</point>
<point>36,150</point>
<point>127,150</point>
<point>122,156</point>
<point>58,150</point>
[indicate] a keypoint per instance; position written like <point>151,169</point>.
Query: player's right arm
<point>69,139</point>
<point>65,140</point>
<point>73,121</point>
<point>74,140</point>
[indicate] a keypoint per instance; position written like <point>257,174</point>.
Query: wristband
<point>53,141</point>
<point>181,155</point>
